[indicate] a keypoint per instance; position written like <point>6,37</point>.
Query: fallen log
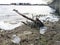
<point>23,15</point>
<point>37,22</point>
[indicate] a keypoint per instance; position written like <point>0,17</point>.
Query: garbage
<point>15,39</point>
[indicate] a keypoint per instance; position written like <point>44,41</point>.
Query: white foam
<point>51,18</point>
<point>7,26</point>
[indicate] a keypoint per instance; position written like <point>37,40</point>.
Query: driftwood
<point>23,15</point>
<point>37,22</point>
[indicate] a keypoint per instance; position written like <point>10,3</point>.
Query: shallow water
<point>10,19</point>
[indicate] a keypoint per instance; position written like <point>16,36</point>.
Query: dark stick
<point>23,15</point>
<point>37,22</point>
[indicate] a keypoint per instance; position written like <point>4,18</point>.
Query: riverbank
<point>31,36</point>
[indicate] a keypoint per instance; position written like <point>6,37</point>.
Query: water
<point>10,19</point>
